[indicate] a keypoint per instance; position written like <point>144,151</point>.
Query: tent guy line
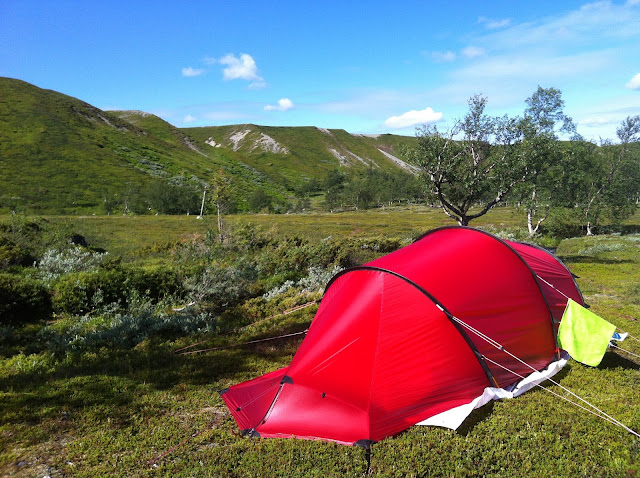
<point>244,343</point>
<point>596,411</point>
<point>497,345</point>
<point>624,350</point>
<point>500,347</point>
<point>285,312</point>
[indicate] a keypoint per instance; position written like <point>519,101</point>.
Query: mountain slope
<point>287,154</point>
<point>60,155</point>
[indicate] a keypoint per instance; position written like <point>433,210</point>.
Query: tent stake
<point>367,454</point>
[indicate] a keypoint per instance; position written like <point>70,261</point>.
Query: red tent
<point>391,346</point>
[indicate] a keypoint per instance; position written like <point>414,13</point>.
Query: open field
<point>111,410</point>
<point>126,234</point>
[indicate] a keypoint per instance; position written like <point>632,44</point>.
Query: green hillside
<point>60,155</point>
<point>287,154</point>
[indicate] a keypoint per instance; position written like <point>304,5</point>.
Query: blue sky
<point>367,67</point>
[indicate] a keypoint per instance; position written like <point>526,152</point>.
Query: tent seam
<point>375,357</point>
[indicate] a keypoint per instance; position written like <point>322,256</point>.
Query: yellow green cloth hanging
<point>583,334</point>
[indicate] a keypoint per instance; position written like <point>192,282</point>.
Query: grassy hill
<point>60,155</point>
<point>287,154</point>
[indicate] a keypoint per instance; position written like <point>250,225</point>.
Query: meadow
<point>100,387</point>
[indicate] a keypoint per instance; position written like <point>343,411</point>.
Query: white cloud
<point>413,117</point>
<point>592,25</point>
<point>189,119</point>
<point>192,71</point>
<point>632,3</point>
<point>494,24</point>
<point>443,56</point>
<point>243,68</point>
<point>473,52</point>
<point>257,85</point>
<point>634,84</point>
<point>597,121</point>
<point>450,56</point>
<point>543,68</point>
<point>284,104</point>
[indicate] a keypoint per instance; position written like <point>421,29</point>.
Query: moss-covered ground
<point>112,411</point>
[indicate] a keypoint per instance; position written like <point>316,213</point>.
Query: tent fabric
<point>383,352</point>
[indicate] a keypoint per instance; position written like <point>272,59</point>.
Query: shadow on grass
<point>484,412</point>
<point>616,359</point>
<point>108,386</point>
<point>476,417</point>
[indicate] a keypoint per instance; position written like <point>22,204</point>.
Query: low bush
<point>124,330</point>
<point>12,254</point>
<point>56,262</point>
<point>80,292</point>
<point>316,280</point>
<point>23,300</point>
<point>218,287</point>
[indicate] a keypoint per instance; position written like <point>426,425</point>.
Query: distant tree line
<point>483,161</point>
<point>162,197</point>
<point>370,189</point>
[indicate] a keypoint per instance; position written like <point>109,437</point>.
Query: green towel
<point>584,335</point>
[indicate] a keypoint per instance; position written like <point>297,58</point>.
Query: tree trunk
<point>534,229</point>
<point>530,222</point>
<point>219,222</point>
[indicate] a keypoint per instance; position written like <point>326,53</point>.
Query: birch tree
<point>475,163</point>
<point>544,120</point>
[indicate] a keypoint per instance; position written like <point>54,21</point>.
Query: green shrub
<point>315,280</point>
<point>12,254</point>
<point>118,330</point>
<point>563,223</point>
<point>154,282</point>
<point>56,262</point>
<point>23,300</point>
<point>81,292</point>
<point>221,287</point>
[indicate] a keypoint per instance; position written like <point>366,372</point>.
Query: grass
<point>309,149</point>
<point>112,412</point>
<point>125,235</point>
<point>61,155</point>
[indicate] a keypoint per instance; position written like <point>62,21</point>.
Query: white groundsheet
<point>454,417</point>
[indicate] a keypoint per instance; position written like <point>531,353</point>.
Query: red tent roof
<point>384,351</point>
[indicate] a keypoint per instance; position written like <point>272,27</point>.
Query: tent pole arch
<point>437,303</point>
<point>533,273</point>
